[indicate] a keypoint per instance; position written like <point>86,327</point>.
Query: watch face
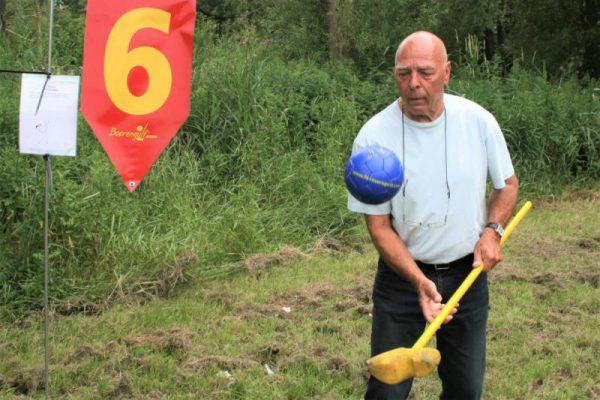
<point>496,227</point>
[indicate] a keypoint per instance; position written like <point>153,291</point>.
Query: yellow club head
<point>399,364</point>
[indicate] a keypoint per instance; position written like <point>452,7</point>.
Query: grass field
<point>296,326</point>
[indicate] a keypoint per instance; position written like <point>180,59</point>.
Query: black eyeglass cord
<point>445,154</point>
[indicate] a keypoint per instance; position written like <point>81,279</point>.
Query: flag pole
<point>46,206</point>
<point>46,342</point>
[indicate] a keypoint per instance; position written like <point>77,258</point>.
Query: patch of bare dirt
<point>552,281</point>
<point>155,395</point>
<point>547,249</point>
<point>356,298</point>
<point>589,243</point>
<point>247,312</point>
<point>338,363</point>
<point>269,354</point>
<point>175,340</point>
<point>141,362</point>
<point>328,246</point>
<point>353,305</point>
<point>82,352</point>
<point>256,263</point>
<point>121,386</point>
<point>537,384</point>
<point>221,296</point>
<point>201,364</point>
<point>80,306</point>
<point>589,275</point>
<point>25,381</point>
<point>229,319</point>
<point>320,356</point>
<point>167,341</point>
<point>7,348</point>
<point>594,392</point>
<point>549,281</point>
<point>356,295</point>
<point>507,271</point>
<point>284,306</point>
<point>310,297</point>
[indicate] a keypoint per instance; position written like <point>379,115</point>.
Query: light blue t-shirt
<point>435,228</point>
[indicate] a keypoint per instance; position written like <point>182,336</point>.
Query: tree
<point>2,14</point>
<point>564,36</point>
<point>333,29</point>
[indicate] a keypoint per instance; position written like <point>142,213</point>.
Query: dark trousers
<point>398,322</point>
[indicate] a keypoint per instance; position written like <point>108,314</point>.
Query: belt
<point>468,259</point>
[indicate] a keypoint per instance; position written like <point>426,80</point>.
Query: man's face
<point>421,73</point>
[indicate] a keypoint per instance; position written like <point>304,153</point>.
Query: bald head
<point>425,42</point>
<point>422,71</point>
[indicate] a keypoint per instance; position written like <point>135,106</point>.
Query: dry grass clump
<point>81,353</point>
<point>168,341</point>
<point>256,263</point>
<point>227,363</point>
<point>24,381</point>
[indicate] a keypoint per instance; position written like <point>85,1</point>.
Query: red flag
<point>137,71</point>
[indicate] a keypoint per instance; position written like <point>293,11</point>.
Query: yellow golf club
<point>399,364</point>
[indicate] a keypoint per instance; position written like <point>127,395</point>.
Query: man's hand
<point>487,250</point>
<point>502,204</point>
<point>431,301</point>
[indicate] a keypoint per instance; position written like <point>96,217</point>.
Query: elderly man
<point>437,228</point>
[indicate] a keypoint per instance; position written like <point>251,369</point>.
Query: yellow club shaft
<point>462,289</point>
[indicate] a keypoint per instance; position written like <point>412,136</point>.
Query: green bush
<point>552,129</point>
<point>256,166</point>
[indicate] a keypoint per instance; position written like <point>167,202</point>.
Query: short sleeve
<point>369,209</point>
<point>500,166</point>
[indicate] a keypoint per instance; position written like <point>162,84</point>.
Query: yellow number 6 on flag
<point>118,62</point>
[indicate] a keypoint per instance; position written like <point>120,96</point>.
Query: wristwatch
<point>496,227</point>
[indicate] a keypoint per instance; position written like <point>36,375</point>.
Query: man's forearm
<point>396,255</point>
<point>503,201</point>
<point>392,249</point>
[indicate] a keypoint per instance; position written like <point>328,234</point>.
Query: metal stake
<point>46,344</point>
<point>46,201</point>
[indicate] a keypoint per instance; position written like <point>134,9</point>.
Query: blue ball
<point>374,174</point>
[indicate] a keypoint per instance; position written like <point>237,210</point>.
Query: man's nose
<point>413,82</point>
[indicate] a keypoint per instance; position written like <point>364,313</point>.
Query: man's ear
<point>447,70</point>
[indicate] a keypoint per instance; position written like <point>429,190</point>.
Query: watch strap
<point>496,227</point>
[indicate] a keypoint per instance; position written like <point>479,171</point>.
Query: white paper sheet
<point>48,115</point>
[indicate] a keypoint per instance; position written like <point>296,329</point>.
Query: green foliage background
<point>259,162</point>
